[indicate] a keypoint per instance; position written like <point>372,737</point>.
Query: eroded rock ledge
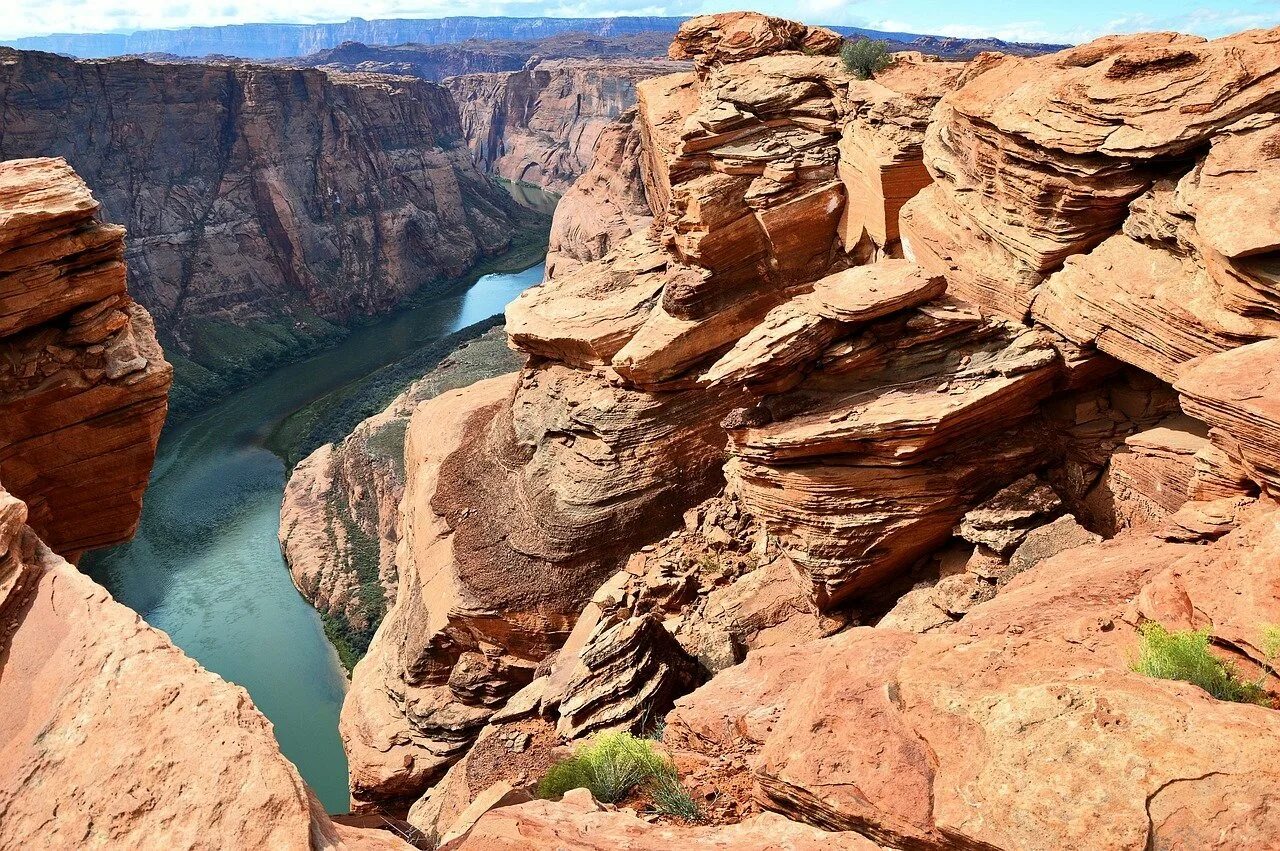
<point>967,351</point>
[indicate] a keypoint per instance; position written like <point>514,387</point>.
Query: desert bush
<point>671,798</point>
<point>866,57</point>
<point>1184,655</point>
<point>610,765</point>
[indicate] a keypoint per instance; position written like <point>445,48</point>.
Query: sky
<point>1028,20</point>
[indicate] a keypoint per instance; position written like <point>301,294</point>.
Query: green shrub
<point>1185,656</point>
<point>865,57</point>
<point>610,765</point>
<point>670,798</point>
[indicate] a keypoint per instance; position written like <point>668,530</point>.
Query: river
<point>205,565</point>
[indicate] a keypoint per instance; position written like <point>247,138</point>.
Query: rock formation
<point>339,522</point>
<point>262,204</point>
<point>109,735</point>
<point>914,401</point>
<point>83,382</point>
<point>541,125</point>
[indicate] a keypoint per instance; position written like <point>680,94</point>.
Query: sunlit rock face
<point>900,351</point>
<point>83,381</point>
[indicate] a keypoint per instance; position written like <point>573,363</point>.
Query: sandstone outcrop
<point>83,383</point>
<point>898,352</point>
<point>339,519</point>
<point>605,205</point>
<point>542,124</point>
<point>263,204</point>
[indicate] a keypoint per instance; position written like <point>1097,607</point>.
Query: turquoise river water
<point>205,566</point>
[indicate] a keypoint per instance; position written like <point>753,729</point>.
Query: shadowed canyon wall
<point>541,125</point>
<point>263,205</point>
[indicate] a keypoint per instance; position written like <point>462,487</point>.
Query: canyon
<point>266,207</point>
<point>855,438</point>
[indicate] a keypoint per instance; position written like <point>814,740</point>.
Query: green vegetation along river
<point>205,565</point>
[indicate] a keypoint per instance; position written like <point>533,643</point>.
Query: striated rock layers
<point>540,125</point>
<point>339,520</point>
<point>262,203</point>
<point>109,735</point>
<point>83,382</point>
<point>914,401</point>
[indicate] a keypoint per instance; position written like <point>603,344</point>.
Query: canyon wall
<point>438,61</point>
<point>541,125</point>
<point>864,463</point>
<point>264,205</point>
<point>109,735</point>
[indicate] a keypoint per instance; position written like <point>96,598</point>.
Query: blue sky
<point>1030,20</point>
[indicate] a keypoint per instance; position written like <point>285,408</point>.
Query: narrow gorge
<point>862,434</point>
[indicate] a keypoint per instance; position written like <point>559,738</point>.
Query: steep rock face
<point>83,383</point>
<point>605,205</point>
<point>541,125</point>
<point>339,519</point>
<point>259,200</point>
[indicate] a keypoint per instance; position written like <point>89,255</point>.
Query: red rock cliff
<point>845,427</point>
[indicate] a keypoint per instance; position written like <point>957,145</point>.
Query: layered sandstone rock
<point>605,205</point>
<point>83,381</point>
<point>1037,160</point>
<point>542,125</point>
<point>877,421</point>
<point>1037,678</point>
<point>257,198</point>
<point>340,520</point>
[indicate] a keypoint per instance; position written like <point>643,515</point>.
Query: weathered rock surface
<point>956,731</point>
<point>605,205</point>
<point>490,585</point>
<point>256,198</point>
<point>1235,392</point>
<point>1037,159</point>
<point>339,519</point>
<point>580,824</point>
<point>83,382</point>
<point>542,124</point>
